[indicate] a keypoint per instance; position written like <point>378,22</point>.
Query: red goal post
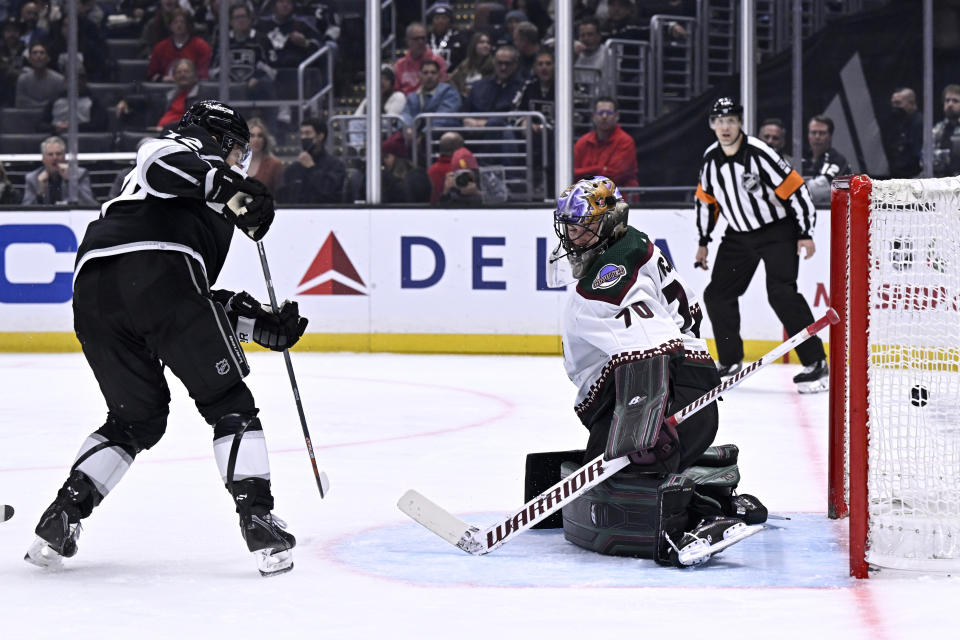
<point>894,455</point>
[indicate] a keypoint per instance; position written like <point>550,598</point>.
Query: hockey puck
<point>7,513</point>
<point>918,396</point>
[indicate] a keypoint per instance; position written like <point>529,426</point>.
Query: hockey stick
<point>322,482</point>
<point>477,542</point>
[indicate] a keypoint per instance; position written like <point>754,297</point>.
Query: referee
<point>770,217</point>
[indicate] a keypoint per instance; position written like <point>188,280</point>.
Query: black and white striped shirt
<point>752,188</point>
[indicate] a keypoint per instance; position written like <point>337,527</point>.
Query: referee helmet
<point>725,106</point>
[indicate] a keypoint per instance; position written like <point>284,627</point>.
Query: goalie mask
<point>221,121</point>
<point>590,216</point>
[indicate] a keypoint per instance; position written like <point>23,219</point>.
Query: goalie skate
<point>698,546</point>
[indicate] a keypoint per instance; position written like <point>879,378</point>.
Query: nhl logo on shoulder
<point>223,367</point>
<point>608,276</point>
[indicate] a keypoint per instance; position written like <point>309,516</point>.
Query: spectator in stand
<point>181,45</point>
<point>407,68</point>
<point>822,163</point>
<point>91,114</point>
<point>401,180</point>
<point>510,22</point>
<point>157,25</point>
<point>478,64</point>
<point>315,177</point>
<point>946,135</point>
<point>11,61</point>
<point>8,193</point>
<point>50,184</point>
<point>537,94</point>
<point>392,103</point>
<point>906,135</point>
<point>433,96</point>
<point>461,185</point>
<point>526,38</point>
<point>497,92</point>
<point>290,39</point>
<point>94,54</point>
<point>608,150</point>
<point>442,39</point>
<point>590,62</point>
<point>675,30</point>
<point>38,85</point>
<point>623,22</point>
<point>31,30</point>
<point>449,143</point>
<point>185,93</point>
<point>774,134</point>
<point>248,56</point>
<point>264,166</point>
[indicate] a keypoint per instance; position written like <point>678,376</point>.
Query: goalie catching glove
<point>247,202</point>
<point>258,322</point>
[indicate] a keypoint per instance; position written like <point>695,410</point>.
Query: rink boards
<point>407,280</point>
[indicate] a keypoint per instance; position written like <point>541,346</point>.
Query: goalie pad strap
<point>642,392</point>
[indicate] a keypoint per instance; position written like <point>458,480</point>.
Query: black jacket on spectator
<point>532,97</point>
<point>249,58</point>
<point>280,51</point>
<point>907,144</point>
<point>97,61</point>
<point>320,184</point>
<point>488,94</point>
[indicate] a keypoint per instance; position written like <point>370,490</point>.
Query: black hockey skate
<point>727,370</point>
<point>265,534</point>
<point>59,525</point>
<point>268,539</point>
<point>709,538</point>
<point>814,378</point>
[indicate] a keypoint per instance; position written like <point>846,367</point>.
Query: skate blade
<point>698,553</point>
<point>42,555</point>
<point>273,564</point>
<point>814,386</point>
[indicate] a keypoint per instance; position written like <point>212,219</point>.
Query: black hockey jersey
<point>163,207</point>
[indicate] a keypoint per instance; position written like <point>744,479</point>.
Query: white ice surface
<point>162,557</point>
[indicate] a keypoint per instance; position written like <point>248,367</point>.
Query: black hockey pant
<point>733,269</point>
<point>135,313</point>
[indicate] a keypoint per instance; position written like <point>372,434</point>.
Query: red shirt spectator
<point>407,69</point>
<point>186,91</point>
<point>181,44</point>
<point>608,150</point>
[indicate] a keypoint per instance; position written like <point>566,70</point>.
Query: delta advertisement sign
<point>358,271</point>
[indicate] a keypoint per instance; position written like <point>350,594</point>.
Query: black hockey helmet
<point>726,106</point>
<point>221,121</point>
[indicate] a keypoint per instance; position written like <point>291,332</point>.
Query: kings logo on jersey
<point>608,276</point>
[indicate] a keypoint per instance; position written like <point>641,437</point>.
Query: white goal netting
<point>913,484</point>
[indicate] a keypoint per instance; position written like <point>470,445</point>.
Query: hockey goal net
<point>895,372</point>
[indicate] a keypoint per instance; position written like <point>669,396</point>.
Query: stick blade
<point>7,513</point>
<point>433,517</point>
<point>324,484</point>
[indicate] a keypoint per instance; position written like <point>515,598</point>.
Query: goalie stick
<point>322,482</point>
<point>476,542</point>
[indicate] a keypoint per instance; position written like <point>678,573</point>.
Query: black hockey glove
<point>258,322</point>
<point>247,202</point>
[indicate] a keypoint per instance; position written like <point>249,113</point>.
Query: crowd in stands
<point>500,62</point>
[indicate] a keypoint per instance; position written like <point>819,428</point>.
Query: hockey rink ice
<point>162,557</point>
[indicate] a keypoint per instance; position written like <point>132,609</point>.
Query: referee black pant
<point>733,269</point>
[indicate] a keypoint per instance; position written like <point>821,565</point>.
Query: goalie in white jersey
<point>632,346</point>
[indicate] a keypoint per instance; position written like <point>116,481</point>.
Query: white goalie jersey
<point>631,305</point>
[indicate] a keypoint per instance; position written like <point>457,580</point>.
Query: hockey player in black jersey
<point>142,301</point>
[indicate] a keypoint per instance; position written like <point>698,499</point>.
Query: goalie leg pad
<point>542,472</point>
<point>618,517</point>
